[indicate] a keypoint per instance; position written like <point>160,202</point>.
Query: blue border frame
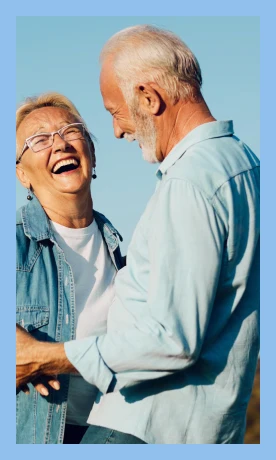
<point>123,8</point>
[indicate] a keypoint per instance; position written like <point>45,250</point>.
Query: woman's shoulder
<point>27,250</point>
<point>103,222</point>
<point>19,220</point>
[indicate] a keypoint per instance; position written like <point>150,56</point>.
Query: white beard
<point>149,155</point>
<point>145,134</point>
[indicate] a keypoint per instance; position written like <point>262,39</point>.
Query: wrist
<point>52,359</point>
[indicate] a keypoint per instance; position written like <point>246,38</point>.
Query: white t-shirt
<point>94,275</point>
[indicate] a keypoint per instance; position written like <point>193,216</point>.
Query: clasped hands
<point>29,364</point>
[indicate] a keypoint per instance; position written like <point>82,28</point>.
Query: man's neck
<point>69,210</point>
<point>184,117</point>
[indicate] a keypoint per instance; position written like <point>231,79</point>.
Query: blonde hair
<point>147,53</point>
<point>50,99</point>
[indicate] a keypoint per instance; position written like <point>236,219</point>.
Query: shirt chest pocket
<point>34,319</point>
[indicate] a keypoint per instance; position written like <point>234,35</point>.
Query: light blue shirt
<point>182,338</point>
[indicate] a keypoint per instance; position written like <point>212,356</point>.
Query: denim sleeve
<point>184,239</point>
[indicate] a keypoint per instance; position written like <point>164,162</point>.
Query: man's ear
<point>149,98</point>
<point>22,176</point>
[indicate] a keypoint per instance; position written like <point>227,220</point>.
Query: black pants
<point>100,435</point>
<point>73,434</point>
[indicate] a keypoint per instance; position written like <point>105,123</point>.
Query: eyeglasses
<point>43,141</point>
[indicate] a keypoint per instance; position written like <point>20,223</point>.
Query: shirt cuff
<point>86,358</point>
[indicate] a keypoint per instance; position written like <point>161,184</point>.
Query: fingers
<point>54,383</point>
<point>25,389</point>
<point>41,386</point>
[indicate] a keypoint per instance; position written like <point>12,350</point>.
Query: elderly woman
<point>67,259</point>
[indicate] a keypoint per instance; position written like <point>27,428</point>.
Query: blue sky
<point>62,54</point>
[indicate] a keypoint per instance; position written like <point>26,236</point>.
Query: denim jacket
<point>45,307</point>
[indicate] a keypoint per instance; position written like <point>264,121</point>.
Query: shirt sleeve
<point>185,242</point>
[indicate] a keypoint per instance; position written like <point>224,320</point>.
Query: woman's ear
<point>22,176</point>
<point>93,158</point>
<point>92,151</point>
<point>93,154</point>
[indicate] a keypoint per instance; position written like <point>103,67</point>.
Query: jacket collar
<point>37,227</point>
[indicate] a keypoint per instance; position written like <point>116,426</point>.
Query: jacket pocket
<point>32,317</point>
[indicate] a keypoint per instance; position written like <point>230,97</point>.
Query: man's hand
<point>35,358</point>
<point>27,350</point>
<point>41,387</point>
<point>24,343</point>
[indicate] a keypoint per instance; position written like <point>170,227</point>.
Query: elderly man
<point>178,361</point>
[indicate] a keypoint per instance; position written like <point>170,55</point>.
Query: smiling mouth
<point>65,166</point>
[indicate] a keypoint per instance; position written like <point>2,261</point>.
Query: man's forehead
<point>108,80</point>
<point>111,92</point>
<point>107,69</point>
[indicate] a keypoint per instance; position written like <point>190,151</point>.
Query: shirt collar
<point>201,133</point>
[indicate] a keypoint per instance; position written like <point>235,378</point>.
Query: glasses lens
<point>73,132</point>
<point>40,142</point>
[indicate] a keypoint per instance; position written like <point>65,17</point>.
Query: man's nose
<point>118,132</point>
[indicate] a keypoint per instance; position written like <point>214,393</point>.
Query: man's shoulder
<point>209,164</point>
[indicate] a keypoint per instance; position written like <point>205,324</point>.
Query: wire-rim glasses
<point>42,141</point>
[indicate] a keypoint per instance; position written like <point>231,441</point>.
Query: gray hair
<point>147,53</point>
<point>50,99</point>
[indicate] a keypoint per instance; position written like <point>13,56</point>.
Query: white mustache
<point>129,137</point>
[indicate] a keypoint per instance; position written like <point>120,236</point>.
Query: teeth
<point>70,161</point>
